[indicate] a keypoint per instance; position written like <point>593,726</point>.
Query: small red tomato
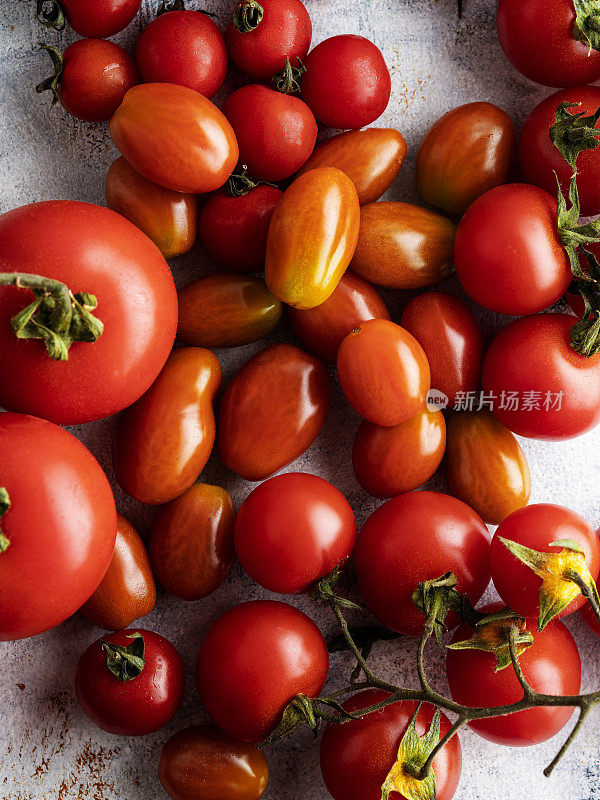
<point>347,83</point>
<point>261,35</point>
<point>183,47</point>
<point>253,661</point>
<point>276,132</point>
<point>233,229</point>
<point>383,372</point>
<point>293,530</point>
<point>130,683</point>
<point>97,18</point>
<point>451,339</point>
<point>91,78</point>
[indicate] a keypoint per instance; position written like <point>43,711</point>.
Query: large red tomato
<point>58,525</point>
<point>96,18</point>
<point>93,250</point>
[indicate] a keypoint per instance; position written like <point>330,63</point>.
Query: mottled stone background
<point>48,748</point>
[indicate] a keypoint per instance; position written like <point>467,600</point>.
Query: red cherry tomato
<point>451,339</point>
<point>58,534</point>
<point>260,36</point>
<point>551,665</point>
<point>293,530</point>
<point>253,661</point>
<point>347,83</point>
<point>538,38</point>
<point>233,230</point>
<point>140,700</point>
<point>520,266</point>
<point>89,249</point>
<point>357,756</point>
<point>416,537</point>
<point>276,132</point>
<point>183,47</point>
<point>99,18</point>
<point>550,391</point>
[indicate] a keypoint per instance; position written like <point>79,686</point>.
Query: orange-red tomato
<point>272,411</point>
<point>393,460</point>
<point>226,309</point>
<point>191,544</point>
<point>312,237</point>
<point>163,442</point>
<point>403,246</point>
<point>175,137</point>
<point>383,372</point>
<point>322,329</point>
<point>467,151</point>
<point>371,158</point>
<point>128,590</point>
<point>168,218</point>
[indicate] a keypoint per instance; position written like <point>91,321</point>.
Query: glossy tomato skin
<point>293,530</point>
<point>99,18</point>
<point>90,249</point>
<point>416,537</point>
<point>321,329</point>
<point>451,338</point>
<point>403,246</point>
<point>136,707</point>
<point>191,543</point>
<point>541,161</point>
<point>371,158</point>
<point>96,76</point>
<point>485,465</point>
<point>312,237</point>
<point>163,442</point>
<point>61,525</point>
<point>534,354</point>
<point>356,757</point>
<point>226,309</point>
<point>468,151</point>
<point>285,31</point>
<point>551,666</point>
<point>276,132</point>
<point>538,39</point>
<point>245,688</point>
<point>537,526</point>
<point>272,411</point>
<point>383,372</point>
<point>347,83</point>
<point>175,137</point>
<point>390,461</point>
<point>202,761</point>
<point>127,591</point>
<point>233,230</point>
<point>519,267</point>
<point>168,218</point>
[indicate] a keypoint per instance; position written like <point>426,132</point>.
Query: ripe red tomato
<point>99,18</point>
<point>451,339</point>
<point>139,314</point>
<point>347,83</point>
<point>292,530</point>
<point>416,537</point>
<point>541,161</point>
<point>538,38</point>
<point>260,36</point>
<point>233,230</point>
<point>519,267</point>
<point>245,686</point>
<point>58,534</point>
<point>556,391</point>
<point>183,47</point>
<point>538,527</point>
<point>130,683</point>
<point>551,665</point>
<point>383,372</point>
<point>357,756</point>
<point>276,132</point>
